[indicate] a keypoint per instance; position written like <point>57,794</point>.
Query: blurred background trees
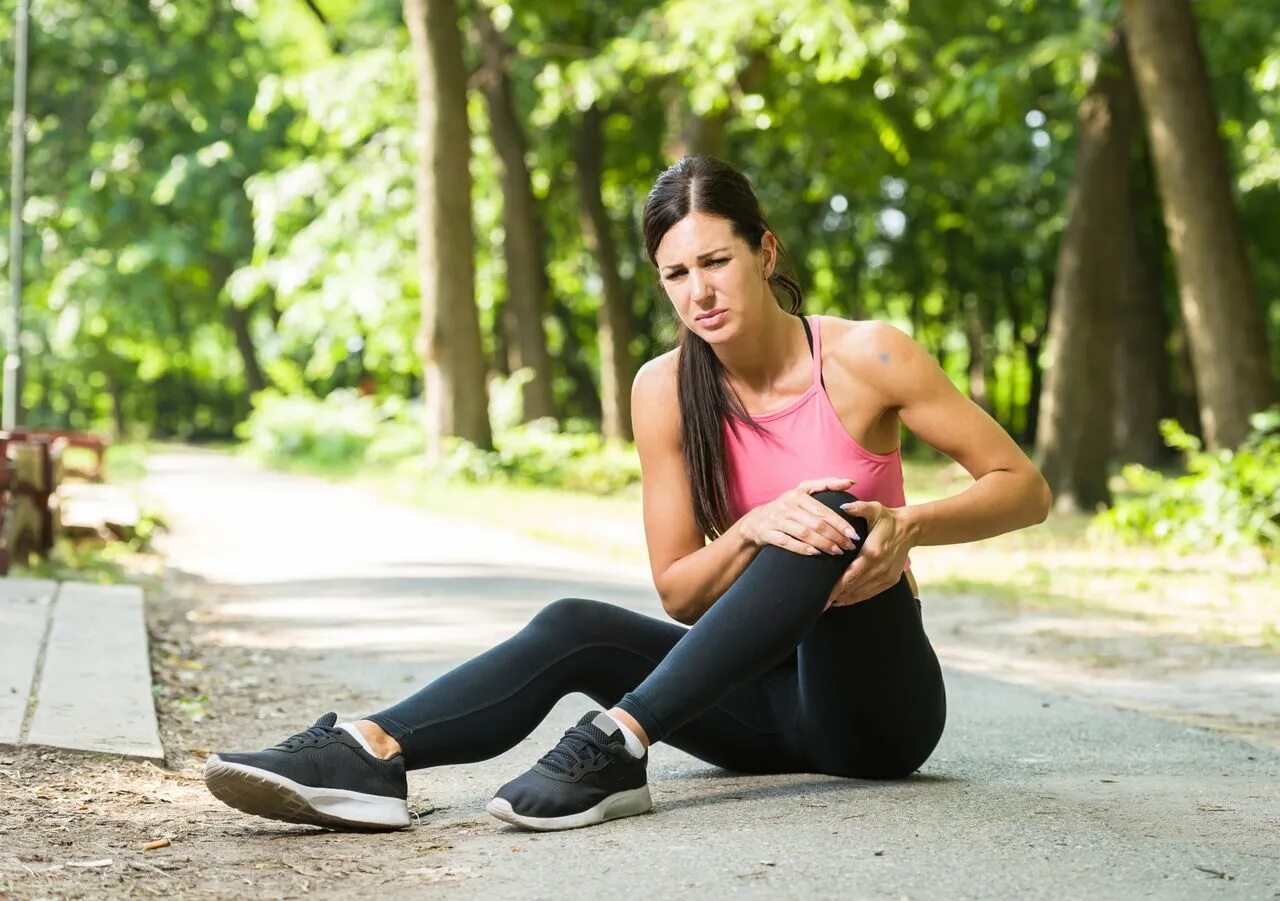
<point>1070,205</point>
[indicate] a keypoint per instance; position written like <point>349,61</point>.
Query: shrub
<point>333,433</point>
<point>541,453</point>
<point>345,432</point>
<point>1227,499</point>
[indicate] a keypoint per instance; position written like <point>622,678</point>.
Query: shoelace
<point>312,736</point>
<point>569,754</point>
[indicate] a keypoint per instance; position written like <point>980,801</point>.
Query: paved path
<point>1030,793</point>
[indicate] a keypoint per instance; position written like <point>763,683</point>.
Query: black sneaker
<point>322,777</point>
<point>588,778</point>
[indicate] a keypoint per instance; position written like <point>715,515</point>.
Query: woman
<point>806,652</point>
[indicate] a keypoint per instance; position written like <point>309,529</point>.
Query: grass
<point>89,560</point>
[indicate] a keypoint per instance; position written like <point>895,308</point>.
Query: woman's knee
<point>575,616</point>
<point>834,499</point>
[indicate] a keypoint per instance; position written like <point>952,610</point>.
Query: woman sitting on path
<point>806,652</point>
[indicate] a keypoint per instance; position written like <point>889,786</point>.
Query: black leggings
<point>764,682</point>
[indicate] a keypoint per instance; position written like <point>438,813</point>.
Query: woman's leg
<point>871,699</point>
<point>867,696</point>
<point>772,614</point>
<point>490,703</point>
<point>328,776</point>
<point>755,625</point>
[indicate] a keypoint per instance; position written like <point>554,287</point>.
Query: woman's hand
<point>800,523</point>
<point>883,557</point>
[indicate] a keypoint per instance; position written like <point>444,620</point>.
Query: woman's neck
<point>762,354</point>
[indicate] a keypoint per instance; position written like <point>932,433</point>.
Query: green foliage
<point>342,432</point>
<point>541,453</point>
<point>346,433</point>
<point>210,183</point>
<point>1228,499</point>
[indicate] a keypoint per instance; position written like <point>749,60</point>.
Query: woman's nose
<point>697,285</point>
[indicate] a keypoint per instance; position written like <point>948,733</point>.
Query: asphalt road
<point>1031,793</point>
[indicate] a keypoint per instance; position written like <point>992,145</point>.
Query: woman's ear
<point>769,253</point>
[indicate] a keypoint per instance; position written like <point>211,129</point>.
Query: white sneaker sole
<point>623,804</point>
<point>275,797</point>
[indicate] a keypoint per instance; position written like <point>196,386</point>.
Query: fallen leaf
<point>1217,874</point>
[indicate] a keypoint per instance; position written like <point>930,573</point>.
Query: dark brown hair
<point>705,185</point>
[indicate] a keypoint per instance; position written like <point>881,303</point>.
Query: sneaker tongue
<point>607,727</point>
<point>329,720</point>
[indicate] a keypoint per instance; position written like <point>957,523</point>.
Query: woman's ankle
<point>384,746</point>
<point>629,722</point>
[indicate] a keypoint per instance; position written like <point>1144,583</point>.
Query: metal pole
<point>17,199</point>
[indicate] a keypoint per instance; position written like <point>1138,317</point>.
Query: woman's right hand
<point>799,522</point>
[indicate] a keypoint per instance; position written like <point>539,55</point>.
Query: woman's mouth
<point>712,319</point>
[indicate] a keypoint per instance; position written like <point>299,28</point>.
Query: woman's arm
<point>689,573</point>
<point>1008,492</point>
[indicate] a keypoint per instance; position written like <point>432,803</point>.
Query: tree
<point>522,246</point>
<point>616,365</point>
<point>453,360</point>
<point>1074,443</point>
<point>1225,323</point>
<point>1141,375</point>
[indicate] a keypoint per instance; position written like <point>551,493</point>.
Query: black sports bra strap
<point>808,334</point>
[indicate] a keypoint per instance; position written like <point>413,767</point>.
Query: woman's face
<point>714,280</point>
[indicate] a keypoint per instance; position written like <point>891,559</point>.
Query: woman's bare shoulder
<point>860,343</point>
<point>654,395</point>
<point>658,375</point>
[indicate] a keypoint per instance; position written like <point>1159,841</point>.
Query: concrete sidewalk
<point>1030,794</point>
<point>75,672</point>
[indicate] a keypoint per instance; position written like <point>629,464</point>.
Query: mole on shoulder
<point>884,358</point>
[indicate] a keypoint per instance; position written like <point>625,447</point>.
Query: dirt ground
<point>75,825</point>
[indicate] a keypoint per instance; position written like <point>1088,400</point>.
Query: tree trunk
<point>238,321</point>
<point>1219,300</point>
<point>1031,357</point>
<point>1141,379</point>
<point>1186,394</point>
<point>527,284</point>
<point>584,396</point>
<point>978,327</point>
<point>614,319</point>
<point>452,357</point>
<point>1075,415</point>
<point>688,132</point>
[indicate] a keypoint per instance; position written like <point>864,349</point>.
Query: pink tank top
<point>805,440</point>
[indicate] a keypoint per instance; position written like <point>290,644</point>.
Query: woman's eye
<point>718,262</point>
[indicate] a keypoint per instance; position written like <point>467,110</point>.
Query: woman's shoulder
<point>658,374</point>
<point>654,404</point>
<point>859,343</point>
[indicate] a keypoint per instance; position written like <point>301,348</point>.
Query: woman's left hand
<point>882,559</point>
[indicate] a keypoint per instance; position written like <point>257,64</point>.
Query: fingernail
<point>851,533</point>
<point>814,550</point>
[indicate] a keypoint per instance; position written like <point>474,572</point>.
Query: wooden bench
<point>30,472</point>
<point>62,439</point>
